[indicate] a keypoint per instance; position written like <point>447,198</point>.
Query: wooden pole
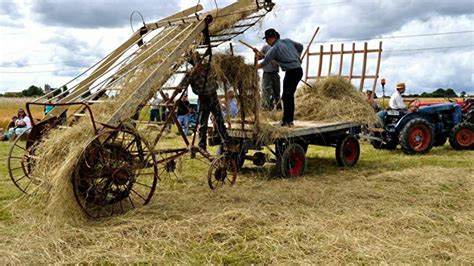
<point>309,44</point>
<point>352,61</point>
<point>377,71</point>
<point>364,68</point>
<point>331,51</point>
<point>341,60</point>
<point>307,68</point>
<point>320,68</point>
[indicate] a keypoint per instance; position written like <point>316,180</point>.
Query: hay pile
<point>333,99</point>
<point>328,216</point>
<point>233,73</point>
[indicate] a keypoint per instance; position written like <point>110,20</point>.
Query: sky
<point>427,44</point>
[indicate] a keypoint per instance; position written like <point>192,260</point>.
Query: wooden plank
<point>352,61</point>
<point>320,68</point>
<point>156,78</point>
<point>309,44</point>
<point>341,60</point>
<point>180,16</point>
<point>331,49</point>
<point>347,76</point>
<point>364,67</point>
<point>379,58</point>
<point>346,52</point>
<point>307,69</point>
<point>83,86</point>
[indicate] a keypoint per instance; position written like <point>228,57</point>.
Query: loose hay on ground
<point>396,216</point>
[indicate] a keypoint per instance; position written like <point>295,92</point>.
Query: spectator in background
<point>164,110</point>
<point>372,102</point>
<point>22,124</point>
<point>230,109</point>
<point>183,113</point>
<point>155,109</point>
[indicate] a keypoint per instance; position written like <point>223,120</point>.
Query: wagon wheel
<point>223,170</point>
<point>292,162</point>
<point>20,163</point>
<point>347,151</point>
<point>169,166</point>
<point>116,172</point>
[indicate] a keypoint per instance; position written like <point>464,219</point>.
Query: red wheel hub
<point>296,164</point>
<point>350,151</point>
<point>465,137</point>
<point>419,138</point>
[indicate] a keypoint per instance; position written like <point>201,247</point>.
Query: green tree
<point>32,91</point>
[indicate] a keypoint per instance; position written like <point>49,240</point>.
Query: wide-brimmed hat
<point>271,33</point>
<point>401,86</point>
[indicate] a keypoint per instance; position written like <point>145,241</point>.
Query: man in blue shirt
<point>287,54</point>
<point>270,81</point>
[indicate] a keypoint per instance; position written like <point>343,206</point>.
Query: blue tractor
<point>418,131</point>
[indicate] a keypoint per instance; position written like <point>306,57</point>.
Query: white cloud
<point>81,32</point>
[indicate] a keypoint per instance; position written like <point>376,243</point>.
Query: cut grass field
<point>389,208</point>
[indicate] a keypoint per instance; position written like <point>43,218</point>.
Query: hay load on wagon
<point>333,99</point>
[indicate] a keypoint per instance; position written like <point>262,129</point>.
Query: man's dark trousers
<point>208,105</point>
<point>290,82</point>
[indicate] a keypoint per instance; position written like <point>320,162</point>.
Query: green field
<point>389,208</point>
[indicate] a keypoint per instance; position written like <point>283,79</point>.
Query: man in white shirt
<point>396,101</point>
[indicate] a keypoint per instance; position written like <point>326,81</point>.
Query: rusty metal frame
<point>86,106</point>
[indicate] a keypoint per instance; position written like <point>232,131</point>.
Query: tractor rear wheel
<point>462,137</point>
<point>417,136</point>
<point>347,151</point>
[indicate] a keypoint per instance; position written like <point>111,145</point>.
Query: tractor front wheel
<point>462,137</point>
<point>417,136</point>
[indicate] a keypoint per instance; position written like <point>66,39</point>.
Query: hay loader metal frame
<point>118,169</point>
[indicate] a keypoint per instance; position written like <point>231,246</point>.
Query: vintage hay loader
<point>118,169</point>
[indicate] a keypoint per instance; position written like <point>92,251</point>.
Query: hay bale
<point>333,99</point>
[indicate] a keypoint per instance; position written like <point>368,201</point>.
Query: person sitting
<point>396,101</point>
<point>4,136</point>
<point>22,124</point>
<point>371,101</point>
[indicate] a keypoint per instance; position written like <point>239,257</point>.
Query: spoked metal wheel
<point>169,162</point>
<point>222,171</point>
<point>20,163</point>
<point>115,173</point>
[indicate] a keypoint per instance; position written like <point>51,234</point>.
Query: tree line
<point>32,91</point>
<point>440,93</point>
